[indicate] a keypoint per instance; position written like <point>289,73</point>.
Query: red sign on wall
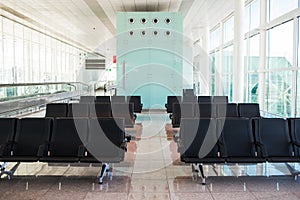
<point>114,59</point>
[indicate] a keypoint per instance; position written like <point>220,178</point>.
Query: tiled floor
<point>151,170</point>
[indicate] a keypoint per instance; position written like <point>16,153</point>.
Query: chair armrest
<point>2,149</point>
<point>222,149</point>
<point>296,144</point>
<point>262,147</point>
<point>41,150</point>
<point>128,138</point>
<point>124,146</point>
<point>81,150</point>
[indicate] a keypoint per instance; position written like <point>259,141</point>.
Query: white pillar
<point>262,55</point>
<point>238,56</point>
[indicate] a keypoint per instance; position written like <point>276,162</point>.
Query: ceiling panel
<point>93,22</point>
<point>175,5</point>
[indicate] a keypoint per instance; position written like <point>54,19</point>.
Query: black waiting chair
<point>123,110</point>
<point>183,110</point>
<point>67,141</point>
<point>170,101</point>
<point>272,135</point>
<point>105,144</point>
<point>220,99</point>
<point>78,110</point>
<point>102,99</point>
<point>250,110</point>
<point>205,110</point>
<point>199,141</point>
<point>294,129</point>
<point>87,99</point>
<point>137,104</point>
<point>106,141</point>
<point>238,140</point>
<point>227,110</point>
<point>31,140</point>
<point>118,99</point>
<point>57,110</point>
<point>7,130</point>
<point>189,99</point>
<point>188,92</point>
<point>100,110</point>
<point>205,99</point>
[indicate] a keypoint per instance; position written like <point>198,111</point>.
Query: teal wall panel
<point>149,56</point>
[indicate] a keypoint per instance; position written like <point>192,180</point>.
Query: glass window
<point>8,56</point>
<point>253,53</point>
<point>276,8</point>
<point>254,14</point>
<point>280,46</point>
<point>35,62</point>
<point>228,59</point>
<point>278,93</point>
<point>215,38</point>
<point>19,61</point>
<point>227,71</point>
<point>31,56</point>
<point>252,88</point>
<point>229,29</point>
<point>1,55</point>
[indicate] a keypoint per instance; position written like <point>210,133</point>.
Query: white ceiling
<point>92,23</point>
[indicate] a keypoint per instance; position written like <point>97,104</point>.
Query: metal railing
<point>22,98</point>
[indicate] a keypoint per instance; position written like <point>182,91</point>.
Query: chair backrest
<point>136,100</point>
<point>78,110</point>
<point>187,110</point>
<point>237,137</point>
<point>205,99</point>
<point>67,135</point>
<point>105,138</point>
<point>189,99</point>
<point>100,110</point>
<point>7,130</point>
<point>87,99</point>
<point>122,110</point>
<point>205,110</point>
<point>249,110</point>
<point>102,99</point>
<point>273,133</point>
<point>30,134</point>
<point>118,99</point>
<point>183,110</point>
<point>170,101</point>
<point>188,92</point>
<point>57,110</point>
<point>220,99</point>
<point>294,129</point>
<point>227,110</point>
<point>198,138</point>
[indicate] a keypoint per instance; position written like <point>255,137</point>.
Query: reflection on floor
<point>151,170</point>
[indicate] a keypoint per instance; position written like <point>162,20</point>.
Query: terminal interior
<point>149,99</point>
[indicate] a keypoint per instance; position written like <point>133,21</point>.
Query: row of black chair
<point>207,110</point>
<point>117,110</point>
<point>135,100</point>
<point>193,99</point>
<point>67,140</point>
<point>239,140</point>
